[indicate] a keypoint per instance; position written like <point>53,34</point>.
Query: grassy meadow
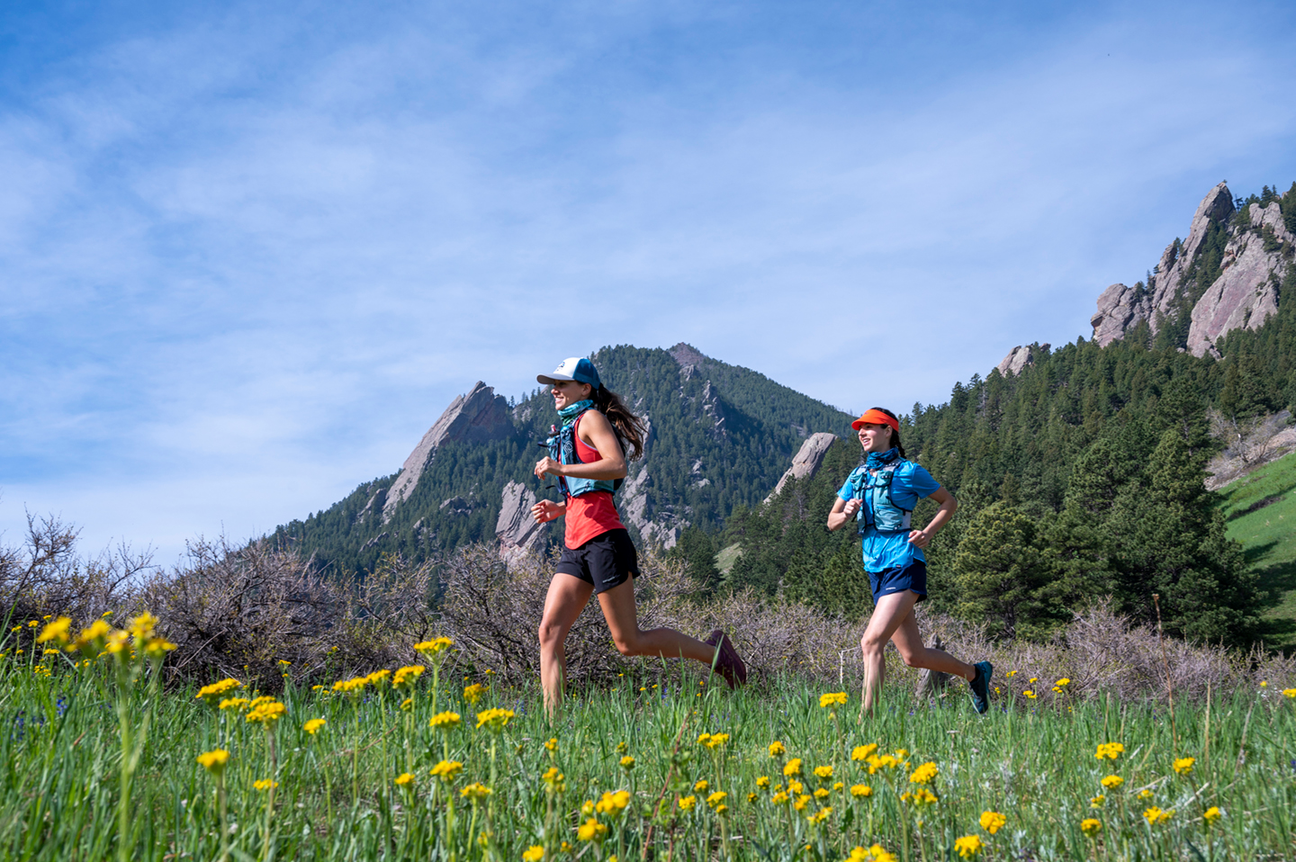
<point>423,762</point>
<point>1261,512</point>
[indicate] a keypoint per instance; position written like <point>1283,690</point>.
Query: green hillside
<point>1261,513</point>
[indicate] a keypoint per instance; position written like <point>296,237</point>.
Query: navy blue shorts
<point>608,560</point>
<point>898,579</point>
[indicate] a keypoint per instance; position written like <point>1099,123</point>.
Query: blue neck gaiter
<point>571,411</point>
<point>877,460</point>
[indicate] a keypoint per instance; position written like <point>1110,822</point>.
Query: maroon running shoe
<point>730,664</point>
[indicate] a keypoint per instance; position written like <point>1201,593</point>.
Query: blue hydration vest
<point>879,510</point>
<point>562,448</point>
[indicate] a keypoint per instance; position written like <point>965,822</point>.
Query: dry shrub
<point>493,611</point>
<point>241,611</point>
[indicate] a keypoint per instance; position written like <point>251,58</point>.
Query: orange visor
<point>874,416</point>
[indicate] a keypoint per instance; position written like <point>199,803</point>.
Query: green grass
<point>337,797</point>
<point>1261,512</point>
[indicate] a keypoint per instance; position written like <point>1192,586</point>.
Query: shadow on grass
<point>1279,581</point>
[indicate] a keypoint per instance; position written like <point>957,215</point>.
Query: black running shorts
<point>608,560</point>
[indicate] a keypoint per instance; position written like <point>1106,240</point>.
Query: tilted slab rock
<point>1246,293</point>
<point>477,417</point>
<point>1022,356</point>
<point>516,528</point>
<point>806,461</point>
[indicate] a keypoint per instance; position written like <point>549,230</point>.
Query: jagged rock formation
<point>636,508</point>
<point>806,461</point>
<point>1018,358</point>
<point>517,531</point>
<point>1244,294</point>
<point>477,417</point>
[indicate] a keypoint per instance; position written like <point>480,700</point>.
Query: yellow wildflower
<point>447,770</point>
<point>266,713</point>
<point>776,749</point>
<point>715,740</point>
<point>534,853</point>
<point>405,677</point>
<point>795,787</point>
<point>264,784</point>
<point>433,647</point>
<point>701,786</point>
<point>1090,826</point>
<point>864,752</point>
<point>763,781</point>
<point>475,791</point>
<point>591,830</point>
<point>823,773</point>
<point>1030,695</point>
<point>212,694</point>
<point>1155,815</point>
<point>1184,765</point>
<point>860,790</point>
<point>1109,751</point>
<point>494,719</point>
<point>313,726</point>
<point>378,677</point>
<point>613,803</point>
<point>968,846</point>
<point>992,821</point>
<point>1289,693</point>
<point>1210,815</point>
<point>1111,782</point>
<point>407,704</point>
<point>214,761</point>
<point>924,774</point>
<point>687,803</point>
<point>800,802</point>
<point>820,816</point>
<point>1145,794</point>
<point>832,699</point>
<point>141,628</point>
<point>552,744</point>
<point>404,778</point>
<point>444,720</point>
<point>1097,801</point>
<point>627,763</point>
<point>792,767</point>
<point>715,799</point>
<point>472,693</point>
<point>779,798</point>
<point>822,793</point>
<point>56,630</point>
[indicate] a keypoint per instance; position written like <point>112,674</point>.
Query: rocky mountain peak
<point>1019,358</point>
<point>477,417</point>
<point>686,355</point>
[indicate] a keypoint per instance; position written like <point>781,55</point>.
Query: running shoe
<point>729,665</point>
<point>981,686</point>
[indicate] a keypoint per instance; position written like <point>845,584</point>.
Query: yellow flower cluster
<point>554,780</point>
<point>823,773</point>
<point>404,778</point>
<point>832,699</point>
<point>472,693</point>
<point>873,854</point>
<point>861,790</point>
<point>1210,815</point>
<point>924,774</point>
<point>819,816</point>
<point>444,720</point>
<point>1155,815</point>
<point>591,830</point>
<point>447,770</point>
<point>968,846</point>
<point>266,711</point>
<point>613,803</point>
<point>405,677</point>
<point>627,763</point>
<point>494,719</point>
<point>214,693</point>
<point>1109,751</point>
<point>713,740</point>
<point>687,803</point>
<point>792,767</point>
<point>992,821</point>
<point>533,853</point>
<point>1184,765</point>
<point>864,752</point>
<point>433,647</point>
<point>313,726</point>
<point>354,686</point>
<point>1289,693</point>
<point>776,749</point>
<point>264,784</point>
<point>1090,826</point>
<point>475,791</point>
<point>214,761</point>
<point>1111,782</point>
<point>235,703</point>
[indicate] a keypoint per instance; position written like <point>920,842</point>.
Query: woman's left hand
<point>547,465</point>
<point>919,539</point>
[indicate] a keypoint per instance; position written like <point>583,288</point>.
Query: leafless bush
<point>241,611</point>
<point>46,576</point>
<point>1248,443</point>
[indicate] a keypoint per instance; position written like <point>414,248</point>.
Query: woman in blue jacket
<point>881,495</point>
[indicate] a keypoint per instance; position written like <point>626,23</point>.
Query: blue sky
<point>249,252</point>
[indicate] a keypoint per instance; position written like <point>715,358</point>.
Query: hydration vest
<point>879,509</point>
<point>562,448</point>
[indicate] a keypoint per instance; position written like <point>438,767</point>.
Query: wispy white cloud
<point>250,257</point>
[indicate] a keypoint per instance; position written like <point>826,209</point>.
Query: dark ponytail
<point>629,427</point>
<point>895,433</point>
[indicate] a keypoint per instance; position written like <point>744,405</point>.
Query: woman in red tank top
<point>598,557</point>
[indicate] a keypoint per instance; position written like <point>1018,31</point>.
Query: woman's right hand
<point>851,508</point>
<point>546,511</point>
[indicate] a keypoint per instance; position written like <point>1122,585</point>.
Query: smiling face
<point>568,392</point>
<point>875,438</point>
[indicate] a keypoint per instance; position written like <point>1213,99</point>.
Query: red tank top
<point>589,515</point>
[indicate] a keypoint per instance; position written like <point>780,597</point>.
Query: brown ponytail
<point>629,427</point>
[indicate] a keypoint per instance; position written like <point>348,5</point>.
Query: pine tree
<point>1000,573</point>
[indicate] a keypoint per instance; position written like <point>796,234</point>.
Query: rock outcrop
<point>478,417</point>
<point>517,531</point>
<point>806,461</point>
<point>637,509</point>
<point>1019,358</point>
<point>1244,294</point>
